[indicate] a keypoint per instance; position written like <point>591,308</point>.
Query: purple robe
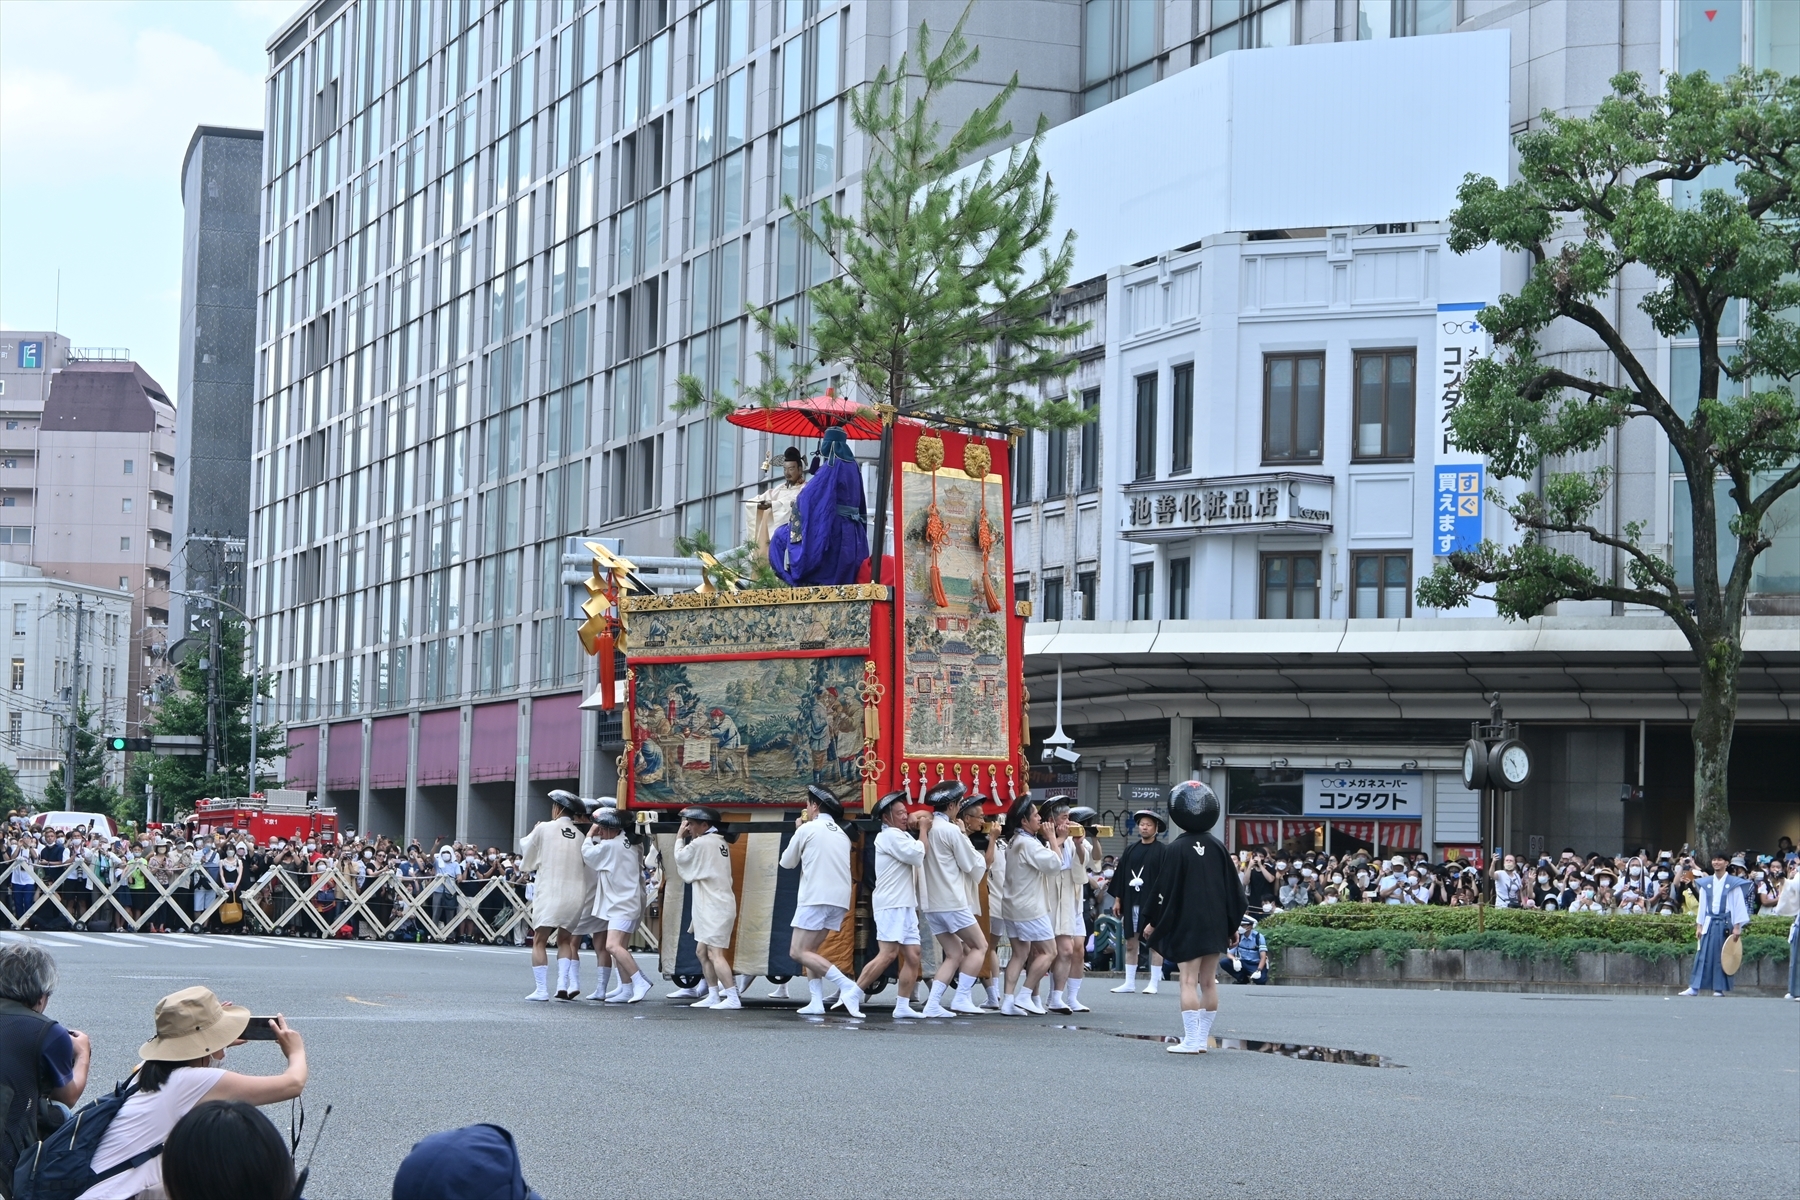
<point>826,542</point>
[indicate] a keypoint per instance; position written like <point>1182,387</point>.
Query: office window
<point>8,501</point>
<point>125,504</point>
<point>1290,587</point>
<point>1179,572</point>
<point>1247,24</point>
<point>15,728</point>
<point>124,583</point>
<point>1381,584</point>
<point>20,616</point>
<point>130,467</point>
<point>1384,404</point>
<point>18,674</point>
<point>1056,465</point>
<point>1053,598</point>
<point>1023,468</point>
<point>1090,442</point>
<point>1085,585</point>
<point>1143,591</point>
<point>1119,45</point>
<point>1144,458</point>
<point>124,543</point>
<point>1181,419</point>
<point>1376,19</point>
<point>1021,591</point>
<point>1293,407</point>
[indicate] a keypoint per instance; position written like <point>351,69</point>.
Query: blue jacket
<point>477,1162</point>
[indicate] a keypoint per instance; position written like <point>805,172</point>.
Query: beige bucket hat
<point>192,1023</point>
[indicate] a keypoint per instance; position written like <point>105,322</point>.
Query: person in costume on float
<point>703,861</point>
<point>612,854</point>
<point>560,894</point>
<point>971,814</point>
<point>821,851</point>
<point>1133,876</point>
<point>1193,912</point>
<point>774,508</point>
<point>1723,913</point>
<point>949,858</point>
<point>1065,909</point>
<point>1030,866</point>
<point>826,541</point>
<point>895,903</point>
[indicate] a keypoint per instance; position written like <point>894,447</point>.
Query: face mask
<point>1337,879</point>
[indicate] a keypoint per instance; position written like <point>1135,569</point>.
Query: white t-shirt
<point>144,1120</point>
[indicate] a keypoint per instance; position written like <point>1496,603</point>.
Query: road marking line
<point>370,1003</point>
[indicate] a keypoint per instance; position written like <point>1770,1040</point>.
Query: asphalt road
<point>1488,1094</point>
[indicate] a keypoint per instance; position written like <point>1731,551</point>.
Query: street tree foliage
<point>11,794</point>
<point>92,792</point>
<point>1591,201</point>
<point>180,780</point>
<point>945,280</point>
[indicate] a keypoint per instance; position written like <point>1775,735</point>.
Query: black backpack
<point>61,1166</point>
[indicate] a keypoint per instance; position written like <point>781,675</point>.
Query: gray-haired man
<point>40,1061</point>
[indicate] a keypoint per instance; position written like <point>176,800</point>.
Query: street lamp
<point>255,677</point>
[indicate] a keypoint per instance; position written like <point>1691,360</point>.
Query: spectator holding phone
<point>182,1068</point>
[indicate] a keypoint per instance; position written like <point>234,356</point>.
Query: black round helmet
<point>888,801</point>
<point>945,794</point>
<point>574,805</point>
<point>828,803</point>
<point>1081,814</point>
<point>1193,806</point>
<point>975,803</point>
<point>607,802</point>
<point>707,816</point>
<point>1162,822</point>
<point>1051,805</point>
<point>609,818</point>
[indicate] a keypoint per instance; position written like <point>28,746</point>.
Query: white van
<point>75,820</point>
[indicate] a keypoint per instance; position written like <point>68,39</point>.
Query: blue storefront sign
<point>31,355</point>
<point>1457,517</point>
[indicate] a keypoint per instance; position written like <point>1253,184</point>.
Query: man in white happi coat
<point>703,862</point>
<point>562,893</point>
<point>821,850</point>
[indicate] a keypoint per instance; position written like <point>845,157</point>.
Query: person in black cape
<point>1194,909</point>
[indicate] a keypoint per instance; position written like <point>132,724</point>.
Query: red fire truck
<point>265,816</point>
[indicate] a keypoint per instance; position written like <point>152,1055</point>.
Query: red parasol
<point>811,417</point>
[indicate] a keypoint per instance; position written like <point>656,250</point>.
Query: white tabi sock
<point>1207,1017</point>
<point>731,993</point>
<point>604,984</point>
<point>1193,1026</point>
<point>839,980</point>
<point>1130,974</point>
<point>1024,993</point>
<point>902,1004</point>
<point>1056,999</point>
<point>993,991</point>
<point>542,975</point>
<point>963,984</point>
<point>817,988</point>
<point>563,983</point>
<point>1073,991</point>
<point>937,993</point>
<point>742,981</point>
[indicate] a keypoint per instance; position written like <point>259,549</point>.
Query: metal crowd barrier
<point>387,906</point>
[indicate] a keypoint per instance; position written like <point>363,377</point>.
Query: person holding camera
<point>553,850</point>
<point>703,861</point>
<point>821,851</point>
<point>1247,961</point>
<point>1132,879</point>
<point>43,1066</point>
<point>895,903</point>
<point>181,1069</point>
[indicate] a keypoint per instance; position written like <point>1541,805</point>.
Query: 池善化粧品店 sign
<point>1386,794</point>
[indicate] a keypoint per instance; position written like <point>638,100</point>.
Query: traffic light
<point>129,743</point>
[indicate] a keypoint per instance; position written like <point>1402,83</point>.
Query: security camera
<point>1061,754</point>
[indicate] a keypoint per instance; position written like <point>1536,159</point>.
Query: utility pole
<point>212,694</point>
<point>74,709</point>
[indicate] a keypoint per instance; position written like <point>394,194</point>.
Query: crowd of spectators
<point>1645,882</point>
<point>197,871</point>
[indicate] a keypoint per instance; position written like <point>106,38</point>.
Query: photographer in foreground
<point>182,1068</point>
<point>42,1065</point>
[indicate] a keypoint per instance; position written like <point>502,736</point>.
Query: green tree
<point>11,794</point>
<point>1588,208</point>
<point>942,302</point>
<point>180,780</point>
<point>92,792</point>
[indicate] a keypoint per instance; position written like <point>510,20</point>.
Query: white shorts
<point>949,922</point>
<point>819,916</point>
<point>589,924</point>
<point>1035,930</point>
<point>897,925</point>
<point>623,925</point>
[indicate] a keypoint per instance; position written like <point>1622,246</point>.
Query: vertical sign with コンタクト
<point>1461,342</point>
<point>1456,515</point>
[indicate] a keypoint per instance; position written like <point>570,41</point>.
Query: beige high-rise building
<point>87,474</point>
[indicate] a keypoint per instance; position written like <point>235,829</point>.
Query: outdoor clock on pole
<point>1475,764</point>
<point>1509,765</point>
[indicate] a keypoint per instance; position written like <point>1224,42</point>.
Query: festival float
<point>860,680</point>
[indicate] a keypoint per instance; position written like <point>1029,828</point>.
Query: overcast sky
<point>98,99</point>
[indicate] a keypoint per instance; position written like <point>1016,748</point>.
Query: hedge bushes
<point>1437,923</point>
<point>1344,933</point>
